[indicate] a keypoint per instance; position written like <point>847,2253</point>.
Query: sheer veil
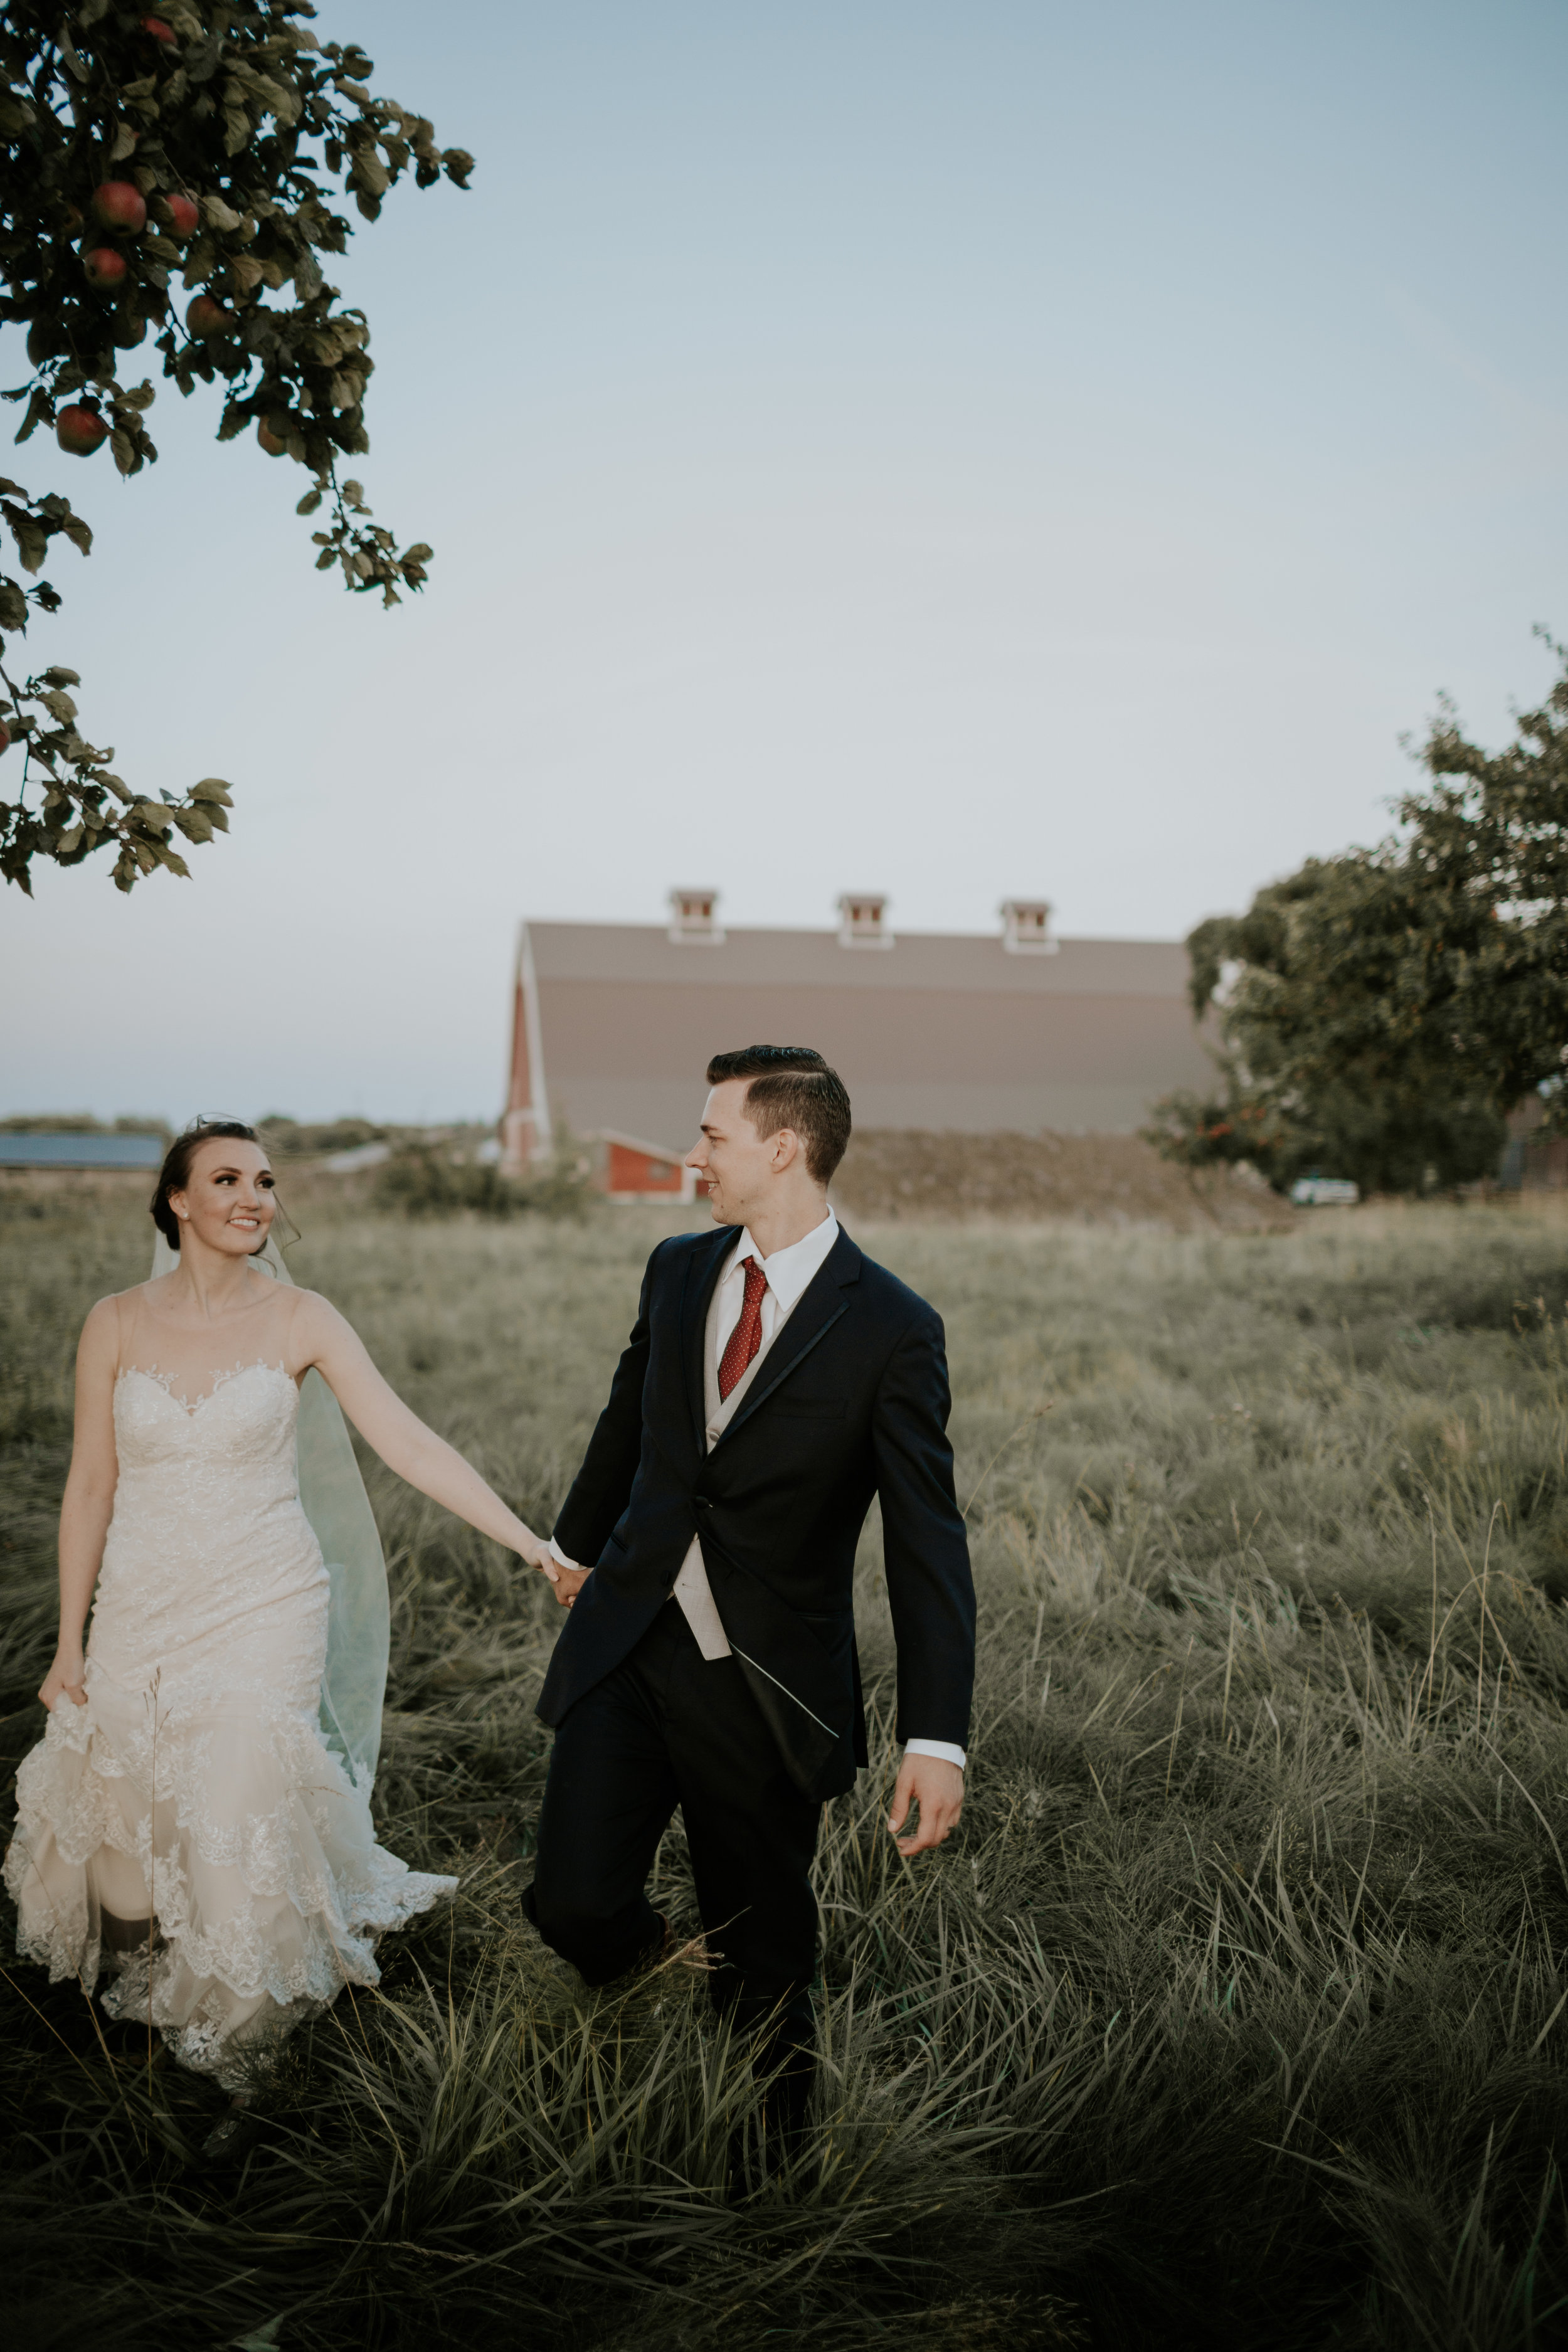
<point>331,1491</point>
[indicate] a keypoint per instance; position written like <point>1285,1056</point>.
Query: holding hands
<point>535,1550</point>
<point>565,1575</point>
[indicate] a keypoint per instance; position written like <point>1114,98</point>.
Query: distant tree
<point>81,1122</point>
<point>1379,1013</point>
<point>1494,829</point>
<point>202,144</point>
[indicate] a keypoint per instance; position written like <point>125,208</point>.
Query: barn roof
<point>939,1030</point>
<point>975,963</point>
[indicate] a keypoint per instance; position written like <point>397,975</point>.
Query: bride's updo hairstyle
<point>176,1173</point>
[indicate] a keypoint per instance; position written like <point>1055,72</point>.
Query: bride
<point>197,1817</point>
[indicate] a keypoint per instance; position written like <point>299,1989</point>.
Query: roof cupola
<point>1026,927</point>
<point>694,918</point>
<point>862,921</point>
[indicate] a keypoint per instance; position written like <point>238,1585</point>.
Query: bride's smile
<point>229,1200</point>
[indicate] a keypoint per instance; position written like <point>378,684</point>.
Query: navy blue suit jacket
<point>851,1400</point>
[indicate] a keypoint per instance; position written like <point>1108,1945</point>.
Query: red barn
<point>1010,1031</point>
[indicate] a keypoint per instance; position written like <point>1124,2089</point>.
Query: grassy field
<point>1235,2016</point>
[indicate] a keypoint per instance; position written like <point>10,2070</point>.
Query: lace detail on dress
<point>220,1379</point>
<point>195,1786</point>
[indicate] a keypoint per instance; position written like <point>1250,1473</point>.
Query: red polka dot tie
<point>747,1335</point>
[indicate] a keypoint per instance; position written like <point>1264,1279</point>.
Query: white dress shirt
<point>788,1272</point>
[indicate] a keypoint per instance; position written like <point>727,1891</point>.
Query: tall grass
<point>1235,2015</point>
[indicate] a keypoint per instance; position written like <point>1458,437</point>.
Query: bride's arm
<point>321,1337</point>
<point>89,1502</point>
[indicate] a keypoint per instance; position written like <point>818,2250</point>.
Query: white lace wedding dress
<point>191,1814</point>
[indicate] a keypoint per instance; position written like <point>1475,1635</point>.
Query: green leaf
<point>308,503</point>
<point>39,412</point>
<point>32,539</point>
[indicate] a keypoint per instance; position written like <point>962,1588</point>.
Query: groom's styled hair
<point>792,1085</point>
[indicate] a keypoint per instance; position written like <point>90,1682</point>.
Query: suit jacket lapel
<point>819,1307</point>
<point>701,1275</point>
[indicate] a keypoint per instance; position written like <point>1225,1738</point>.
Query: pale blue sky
<point>959,451</point>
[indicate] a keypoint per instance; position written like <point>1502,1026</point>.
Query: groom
<point>775,1380</point>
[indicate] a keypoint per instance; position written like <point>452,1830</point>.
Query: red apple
<point>204,318</point>
<point>80,431</point>
<point>184,217</point>
<point>158,30</point>
<point>120,204</point>
<point>129,331</point>
<point>274,446</point>
<point>104,268</point>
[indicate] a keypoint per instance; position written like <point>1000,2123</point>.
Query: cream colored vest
<point>691,1586</point>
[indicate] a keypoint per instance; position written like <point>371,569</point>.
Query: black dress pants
<point>670,1727</point>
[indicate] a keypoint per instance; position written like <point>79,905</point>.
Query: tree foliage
<point>1493,830</point>
<point>1380,1013</point>
<point>423,1180</point>
<point>200,147</point>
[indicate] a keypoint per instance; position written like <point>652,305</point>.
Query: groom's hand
<point>937,1788</point>
<point>566,1578</point>
<point>569,1583</point>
